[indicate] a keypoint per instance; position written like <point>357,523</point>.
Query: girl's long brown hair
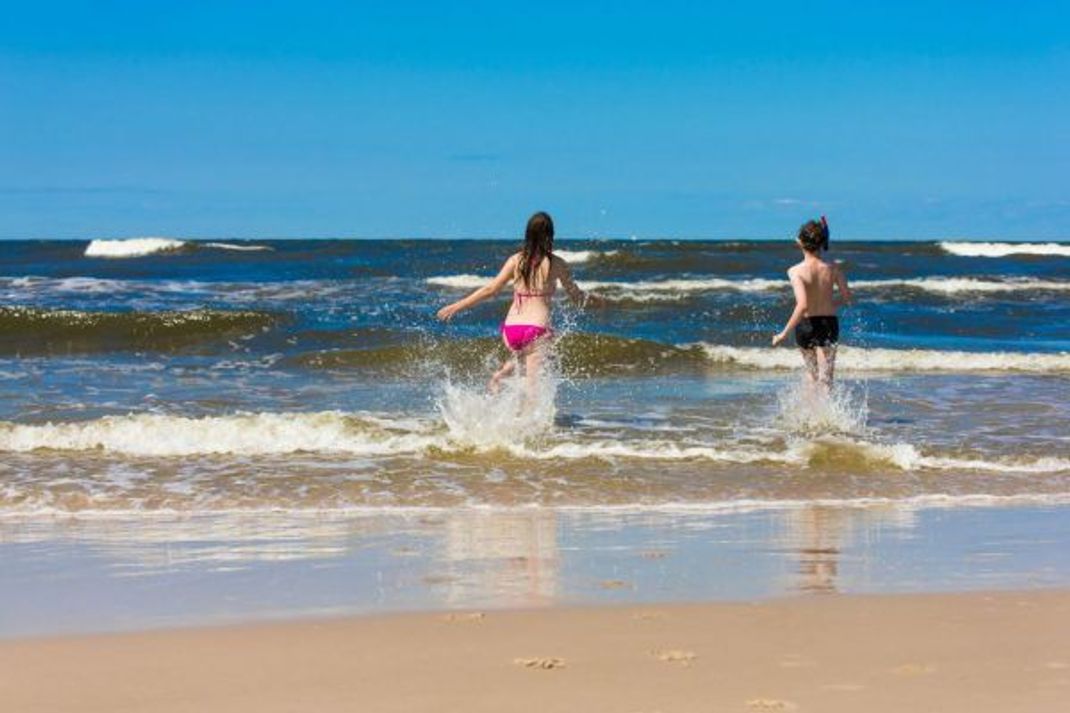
<point>538,244</point>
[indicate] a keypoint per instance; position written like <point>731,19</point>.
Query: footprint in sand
<point>649,616</point>
<point>842,687</point>
<point>545,663</point>
<point>770,704</point>
<point>914,669</point>
<point>795,661</point>
<point>464,616</point>
<point>684,658</point>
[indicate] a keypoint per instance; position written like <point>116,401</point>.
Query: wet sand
<point>1004,651</point>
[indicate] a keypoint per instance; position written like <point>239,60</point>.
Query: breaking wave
<point>365,434</point>
<point>905,360</point>
<point>578,354</point>
<point>954,285</point>
<point>580,256</point>
<point>31,330</point>
<point>241,434</point>
<point>140,247</point>
<point>598,355</point>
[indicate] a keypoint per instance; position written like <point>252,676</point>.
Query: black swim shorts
<point>817,332</point>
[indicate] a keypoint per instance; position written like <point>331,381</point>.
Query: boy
<point>817,328</point>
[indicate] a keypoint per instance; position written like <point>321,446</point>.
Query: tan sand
<point>946,653</point>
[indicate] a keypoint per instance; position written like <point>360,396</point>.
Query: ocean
<point>150,376</point>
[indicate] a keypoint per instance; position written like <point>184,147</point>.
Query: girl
<point>534,273</point>
<point>817,328</point>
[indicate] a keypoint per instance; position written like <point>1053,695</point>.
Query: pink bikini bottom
<point>520,336</point>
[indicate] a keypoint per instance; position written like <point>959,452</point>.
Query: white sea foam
<point>652,450</point>
<point>171,518</point>
<point>467,282</point>
<point>476,429</point>
<point>239,248</point>
<point>954,285</point>
<point>1004,249</point>
<point>655,290</point>
<point>709,284</point>
<point>578,256</point>
<point>908,360</point>
<point>459,282</point>
<point>15,288</point>
<point>132,247</point>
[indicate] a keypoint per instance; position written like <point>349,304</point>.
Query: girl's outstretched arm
<point>485,292</point>
<point>845,297</point>
<point>575,294</point>
<point>800,307</point>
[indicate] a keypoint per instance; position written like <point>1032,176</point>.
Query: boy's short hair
<point>814,235</point>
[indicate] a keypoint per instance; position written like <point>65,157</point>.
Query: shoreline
<point>823,653</point>
<point>136,575</point>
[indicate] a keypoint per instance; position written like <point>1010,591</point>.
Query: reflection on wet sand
<point>227,567</point>
<point>508,559</point>
<point>818,536</point>
<point>820,533</point>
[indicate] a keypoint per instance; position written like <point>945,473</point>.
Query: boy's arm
<point>845,296</point>
<point>575,294</point>
<point>485,292</point>
<point>800,307</point>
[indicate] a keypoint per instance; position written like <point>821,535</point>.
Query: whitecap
<point>969,249</point>
<point>132,247</point>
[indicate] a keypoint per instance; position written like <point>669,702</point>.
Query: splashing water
<point>517,414</point>
<point>808,409</point>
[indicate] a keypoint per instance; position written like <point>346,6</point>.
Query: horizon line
<point>630,238</point>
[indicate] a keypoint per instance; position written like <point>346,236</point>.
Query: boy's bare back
<point>818,278</point>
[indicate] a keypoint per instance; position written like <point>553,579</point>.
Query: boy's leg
<point>810,359</point>
<point>828,364</point>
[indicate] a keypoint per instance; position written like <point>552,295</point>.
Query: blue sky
<point>669,119</point>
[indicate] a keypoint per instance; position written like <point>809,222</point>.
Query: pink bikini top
<point>519,297</point>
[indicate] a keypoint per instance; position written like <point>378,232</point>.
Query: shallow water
<point>312,376</point>
<point>167,571</point>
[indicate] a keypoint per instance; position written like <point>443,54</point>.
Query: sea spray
<point>809,409</point>
<point>519,410</point>
<point>512,416</point>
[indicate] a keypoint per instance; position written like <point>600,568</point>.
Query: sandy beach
<point>955,652</point>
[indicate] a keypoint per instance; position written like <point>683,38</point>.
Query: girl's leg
<point>533,360</point>
<point>496,380</point>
